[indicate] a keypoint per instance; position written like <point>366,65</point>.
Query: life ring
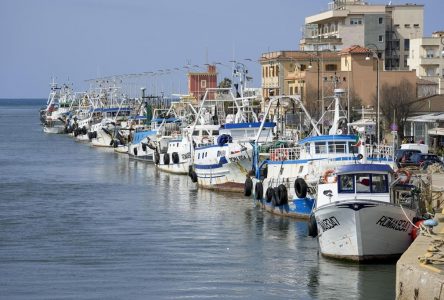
<point>405,173</point>
<point>327,174</point>
<point>248,186</point>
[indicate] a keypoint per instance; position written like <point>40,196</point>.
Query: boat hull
<point>224,169</point>
<point>363,230</point>
<point>299,208</point>
<point>54,129</point>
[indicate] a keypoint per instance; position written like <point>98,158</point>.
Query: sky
<point>78,40</point>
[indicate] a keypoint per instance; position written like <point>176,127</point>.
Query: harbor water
<point>78,222</point>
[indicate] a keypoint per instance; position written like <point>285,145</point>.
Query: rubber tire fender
<point>248,187</point>
<point>156,158</point>
<point>166,158</point>
<point>193,176</point>
<point>282,194</point>
<point>300,188</point>
<point>269,194</point>
<point>258,191</point>
<point>175,157</point>
<point>312,226</point>
<point>276,201</point>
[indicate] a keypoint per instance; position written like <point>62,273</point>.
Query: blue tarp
<point>139,136</point>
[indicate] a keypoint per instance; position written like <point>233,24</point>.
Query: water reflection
<point>88,222</point>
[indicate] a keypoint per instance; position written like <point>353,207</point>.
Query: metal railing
<point>282,154</point>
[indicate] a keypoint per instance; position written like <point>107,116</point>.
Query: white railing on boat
<point>282,154</point>
<point>379,151</point>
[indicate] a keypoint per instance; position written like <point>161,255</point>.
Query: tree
<point>225,83</point>
<point>396,103</point>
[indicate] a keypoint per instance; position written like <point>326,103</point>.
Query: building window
<point>396,25</point>
<point>407,44</point>
<point>381,38</point>
<point>203,84</point>
<point>407,25</point>
<point>291,90</point>
<point>331,67</point>
<point>303,67</point>
<point>380,20</point>
<point>355,21</point>
<point>416,25</point>
<point>430,53</point>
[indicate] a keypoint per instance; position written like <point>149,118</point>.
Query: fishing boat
<point>224,162</point>
<point>292,171</point>
<point>364,212</point>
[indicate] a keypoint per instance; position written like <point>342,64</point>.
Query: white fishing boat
<point>141,147</point>
<point>363,213</point>
<point>176,140</point>
<point>288,186</point>
<point>55,126</point>
<point>225,161</point>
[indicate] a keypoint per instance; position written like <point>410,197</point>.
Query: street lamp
<point>319,71</point>
<point>375,54</point>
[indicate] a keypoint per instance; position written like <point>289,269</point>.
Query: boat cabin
<point>354,182</point>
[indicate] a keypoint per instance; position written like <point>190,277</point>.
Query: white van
<point>415,146</point>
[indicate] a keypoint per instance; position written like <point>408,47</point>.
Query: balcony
<point>436,61</point>
<point>321,40</point>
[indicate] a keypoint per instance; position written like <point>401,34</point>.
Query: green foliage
<point>225,83</point>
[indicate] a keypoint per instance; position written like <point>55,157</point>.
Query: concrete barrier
<point>420,270</point>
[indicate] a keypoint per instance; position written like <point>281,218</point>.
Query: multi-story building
<point>427,59</point>
<point>387,29</point>
<point>314,75</point>
<point>199,82</point>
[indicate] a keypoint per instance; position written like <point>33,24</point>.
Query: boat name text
<point>329,223</point>
<point>392,223</point>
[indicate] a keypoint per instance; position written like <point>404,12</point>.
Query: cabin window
<point>346,183</point>
<point>198,156</point>
<point>215,132</point>
<point>177,145</point>
<point>320,147</point>
<point>379,183</point>
<point>363,183</point>
<point>336,147</point>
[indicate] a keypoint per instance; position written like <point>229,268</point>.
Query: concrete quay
<point>420,270</point>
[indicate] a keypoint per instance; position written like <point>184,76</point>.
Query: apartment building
<point>386,29</point>
<point>315,74</point>
<point>426,57</point>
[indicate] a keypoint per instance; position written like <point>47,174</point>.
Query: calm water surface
<point>78,222</point>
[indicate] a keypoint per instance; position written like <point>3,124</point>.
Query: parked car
<point>402,156</point>
<point>424,160</point>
